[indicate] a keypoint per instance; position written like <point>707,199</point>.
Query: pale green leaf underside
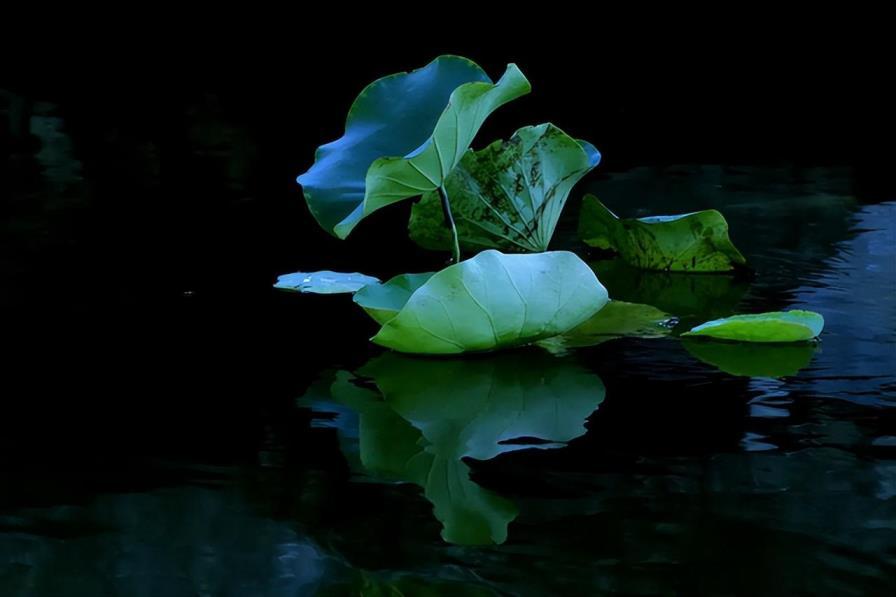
<point>403,135</point>
<point>616,320</point>
<point>383,301</point>
<point>495,301</point>
<point>695,242</point>
<point>324,282</point>
<point>507,196</point>
<point>779,326</point>
<point>750,359</point>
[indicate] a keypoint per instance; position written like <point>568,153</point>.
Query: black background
<point>139,311</point>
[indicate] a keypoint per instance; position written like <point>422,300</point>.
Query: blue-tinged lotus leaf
<point>778,326</point>
<point>488,302</point>
<point>508,196</point>
<point>403,135</point>
<point>750,359</point>
<point>431,414</point>
<point>694,242</point>
<point>618,319</point>
<point>324,282</point>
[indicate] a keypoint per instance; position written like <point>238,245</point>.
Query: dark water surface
<point>263,447</point>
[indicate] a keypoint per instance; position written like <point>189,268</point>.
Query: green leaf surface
<point>507,196</point>
<point>778,326</point>
<point>751,359</point>
<point>383,301</point>
<point>616,320</point>
<point>493,301</point>
<point>420,432</point>
<point>324,282</point>
<point>403,135</point>
<point>694,242</point>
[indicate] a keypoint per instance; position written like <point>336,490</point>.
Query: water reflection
<point>752,360</point>
<point>692,298</point>
<point>427,416</point>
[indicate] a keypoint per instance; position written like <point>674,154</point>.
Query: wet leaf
<point>324,282</point>
<point>778,326</point>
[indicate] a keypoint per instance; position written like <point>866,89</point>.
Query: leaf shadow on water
<point>419,420</point>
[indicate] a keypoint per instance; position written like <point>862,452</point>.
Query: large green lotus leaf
<point>324,282</point>
<point>778,326</point>
<point>403,135</point>
<point>479,408</point>
<point>750,359</point>
<point>495,301</point>
<point>384,301</point>
<point>617,319</point>
<point>507,196</point>
<point>694,242</point>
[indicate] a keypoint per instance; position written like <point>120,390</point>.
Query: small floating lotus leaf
<point>779,326</point>
<point>488,302</point>
<point>324,282</point>
<point>509,195</point>
<point>403,135</point>
<point>751,359</point>
<point>694,242</point>
<point>616,320</point>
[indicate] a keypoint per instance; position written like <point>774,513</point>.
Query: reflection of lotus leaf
<point>689,296</point>
<point>752,360</point>
<point>438,412</point>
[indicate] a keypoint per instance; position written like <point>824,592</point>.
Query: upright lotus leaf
<point>507,196</point>
<point>384,301</point>
<point>617,319</point>
<point>404,134</point>
<point>422,431</point>
<point>488,302</point>
<point>749,359</point>
<point>778,326</point>
<point>694,242</point>
<point>324,282</point>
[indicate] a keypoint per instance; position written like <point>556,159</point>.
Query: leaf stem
<point>449,219</point>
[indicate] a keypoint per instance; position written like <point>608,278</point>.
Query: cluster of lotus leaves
<point>409,135</point>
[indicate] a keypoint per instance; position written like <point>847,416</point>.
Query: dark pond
<point>260,445</point>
